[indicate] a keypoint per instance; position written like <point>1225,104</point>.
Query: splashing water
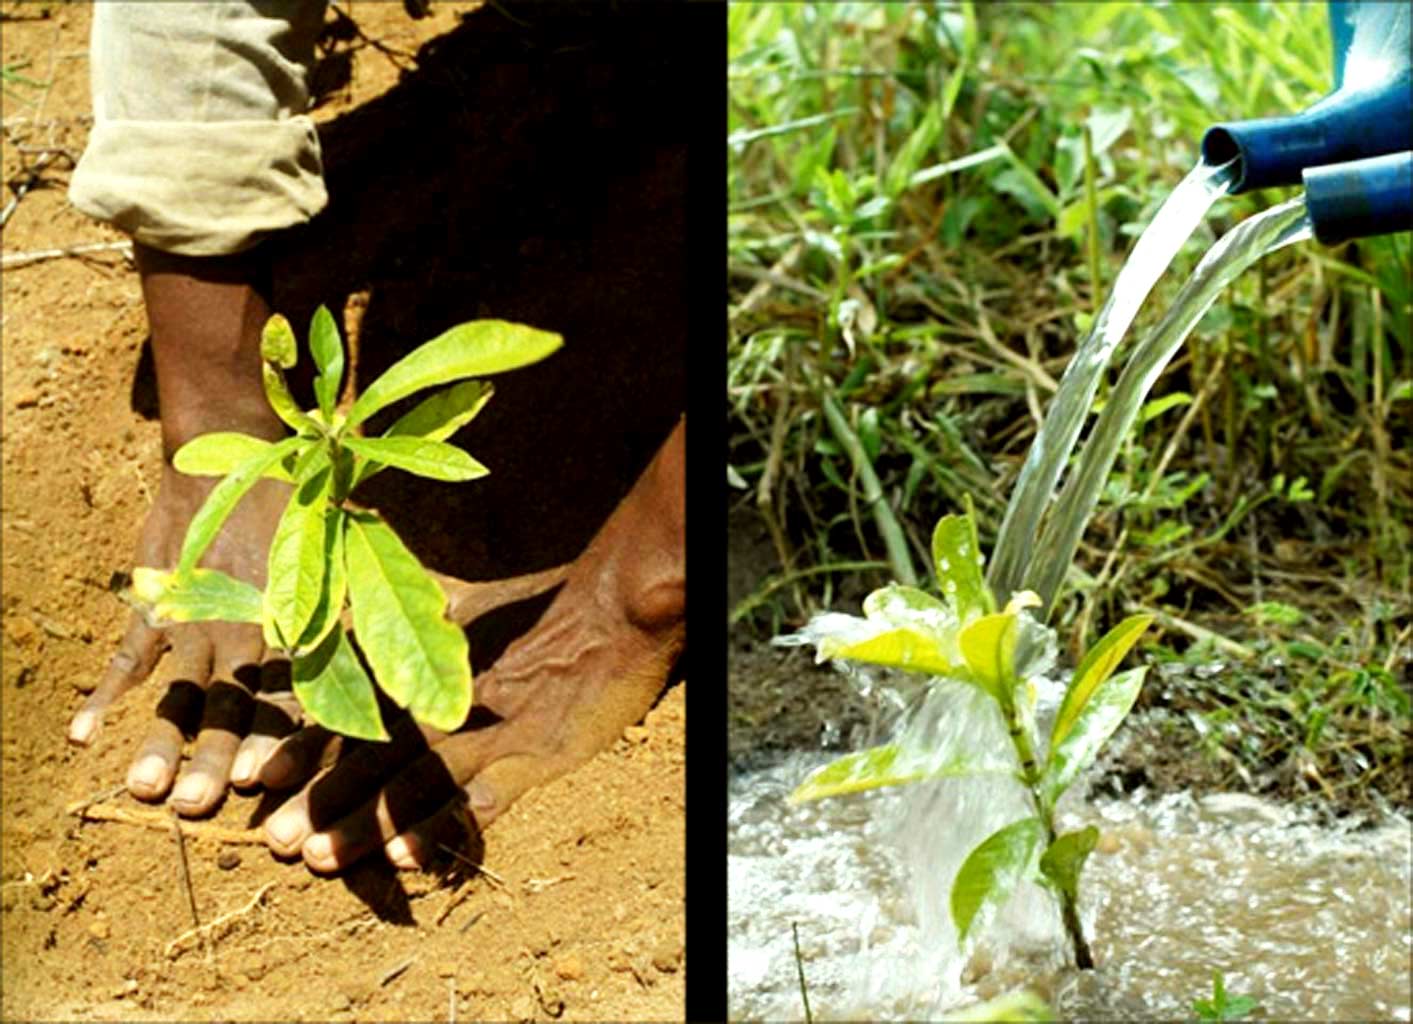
<point>1248,242</point>
<point>1173,224</point>
<point>1311,920</point>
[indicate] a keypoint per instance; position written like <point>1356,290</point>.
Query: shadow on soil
<point>529,169</point>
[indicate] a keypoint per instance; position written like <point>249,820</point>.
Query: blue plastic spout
<point>1370,113</point>
<point>1360,198</point>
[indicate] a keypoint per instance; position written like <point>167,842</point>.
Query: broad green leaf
<point>435,419</point>
<point>218,453</point>
<point>327,348</point>
<point>278,395</point>
<point>201,595</point>
<point>992,871</point>
<point>418,655</point>
<point>897,648</point>
<point>883,766</point>
<point>435,459</point>
<point>334,690</point>
<point>206,524</point>
<point>1095,723</point>
<point>277,344</point>
<point>1097,666</point>
<point>989,647</point>
<point>1065,858</point>
<point>296,568</point>
<point>956,557</point>
<point>335,584</point>
<point>440,415</point>
<point>467,350</point>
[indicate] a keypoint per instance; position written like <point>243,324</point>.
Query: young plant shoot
<point>963,637</point>
<point>327,555</point>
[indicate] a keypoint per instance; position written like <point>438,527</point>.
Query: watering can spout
<point>1369,113</point>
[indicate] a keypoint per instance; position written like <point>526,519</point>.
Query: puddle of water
<point>1313,922</point>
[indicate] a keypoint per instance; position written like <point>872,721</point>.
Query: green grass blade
<point>327,348</point>
<point>435,459</point>
<point>206,524</point>
<point>418,655</point>
<point>472,349</point>
<point>220,452</point>
<point>201,595</point>
<point>296,568</point>
<point>334,690</point>
<point>992,871</point>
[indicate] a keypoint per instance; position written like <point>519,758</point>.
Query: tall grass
<point>926,203</point>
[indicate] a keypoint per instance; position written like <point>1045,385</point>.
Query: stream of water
<point>1236,250</point>
<point>1314,922</point>
<point>1173,224</point>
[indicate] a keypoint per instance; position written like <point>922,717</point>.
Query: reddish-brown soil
<point>583,918</point>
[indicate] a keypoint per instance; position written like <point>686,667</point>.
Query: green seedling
<point>962,636</point>
<point>328,556</point>
<point>1222,1006</point>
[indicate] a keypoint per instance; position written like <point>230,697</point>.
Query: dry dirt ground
<point>583,917</point>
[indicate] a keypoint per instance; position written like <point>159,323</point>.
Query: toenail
<point>284,828</point>
<point>482,797</point>
<point>243,770</point>
<point>193,790</point>
<point>400,852</point>
<point>147,774</point>
<point>81,729</point>
<point>319,849</point>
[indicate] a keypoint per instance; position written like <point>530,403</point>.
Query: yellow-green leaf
<point>956,558</point>
<point>472,349</point>
<point>327,349</point>
<point>206,524</point>
<point>334,690</point>
<point>418,655</point>
<point>902,648</point>
<point>992,871</point>
<point>883,766</point>
<point>201,595</point>
<point>440,415</point>
<point>1097,719</point>
<point>1062,862</point>
<point>297,567</point>
<point>435,459</point>
<point>281,401</point>
<point>277,344</point>
<point>220,452</point>
<point>989,647</point>
<point>1097,666</point>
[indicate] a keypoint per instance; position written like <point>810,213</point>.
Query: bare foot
<point>592,666</point>
<point>218,681</point>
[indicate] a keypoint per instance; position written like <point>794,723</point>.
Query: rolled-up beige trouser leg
<point>201,144</point>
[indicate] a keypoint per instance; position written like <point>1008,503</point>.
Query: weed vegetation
<point>927,204</point>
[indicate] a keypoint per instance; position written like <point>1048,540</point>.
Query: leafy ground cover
<point>926,205</point>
